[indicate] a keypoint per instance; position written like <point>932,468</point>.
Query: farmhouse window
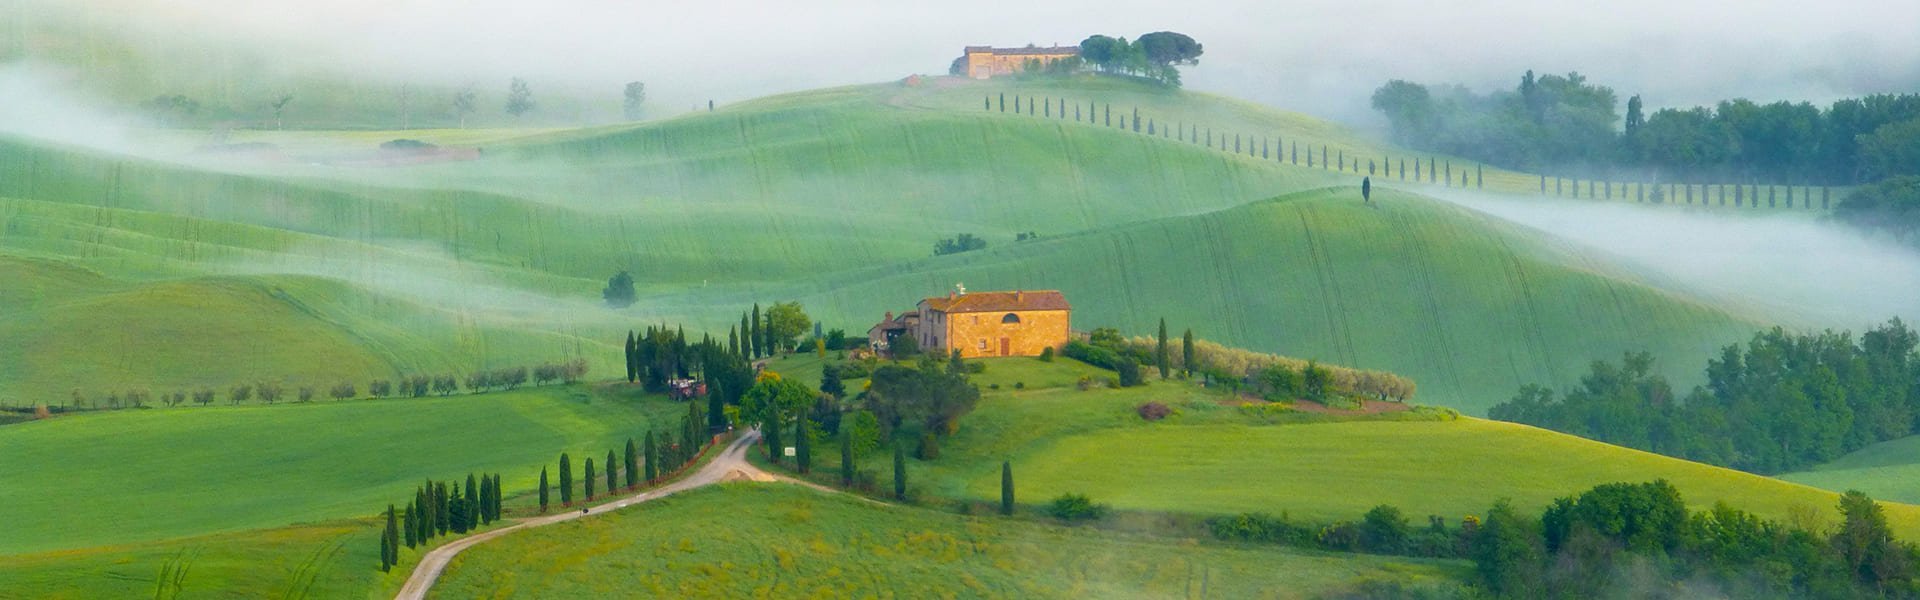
<point>1010,318</point>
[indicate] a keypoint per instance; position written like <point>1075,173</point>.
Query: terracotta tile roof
<point>999,302</point>
<point>1027,51</point>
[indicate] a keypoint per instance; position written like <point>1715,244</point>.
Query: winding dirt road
<point>730,465</point>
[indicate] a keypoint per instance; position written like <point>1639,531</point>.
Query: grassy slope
<point>1889,470</point>
<point>1470,307</point>
<point>834,195</point>
<point>131,476</point>
<point>742,540</point>
<point>327,560</point>
<point>1210,458</point>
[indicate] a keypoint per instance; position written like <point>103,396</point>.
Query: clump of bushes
<point>1076,507</point>
<point>1046,354</point>
<point>406,144</point>
<point>1154,411</point>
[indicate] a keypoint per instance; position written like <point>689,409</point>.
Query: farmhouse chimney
<point>889,318</point>
<point>1017,295</point>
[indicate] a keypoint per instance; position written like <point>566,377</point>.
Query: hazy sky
<point>1320,56</point>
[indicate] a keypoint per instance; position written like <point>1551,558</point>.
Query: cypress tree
<point>1432,174</point>
<point>411,522</point>
<point>544,493</point>
<point>442,522</point>
<point>612,484</point>
<point>499,504</point>
<point>1186,352</point>
<point>457,511</point>
<point>846,456</point>
<point>803,452</point>
<point>652,465</point>
<point>899,471</point>
<point>389,550</point>
<point>473,503</point>
<point>422,518</point>
<point>733,341</point>
<point>629,355</point>
<point>633,466</point>
<point>758,344</point>
<point>1006,488</point>
<point>1003,102</point>
<point>775,451</point>
<point>1160,354</point>
<point>1136,119</point>
<point>566,480</point>
<point>486,500</point>
<point>589,479</point>
<point>1479,177</point>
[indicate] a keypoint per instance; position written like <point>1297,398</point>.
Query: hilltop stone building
<point>983,324</point>
<point>984,62</point>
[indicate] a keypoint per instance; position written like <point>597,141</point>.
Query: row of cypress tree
<point>439,508</point>
<point>638,464</point>
<point>1280,149</point>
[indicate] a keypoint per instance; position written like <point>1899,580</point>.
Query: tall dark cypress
<point>629,355</point>
<point>652,458</point>
<point>1186,352</point>
<point>442,522</point>
<point>486,500</point>
<point>1006,488</point>
<point>499,504</point>
<point>473,499</point>
<point>1003,102</point>
<point>899,471</point>
<point>423,523</point>
<point>566,480</point>
<point>456,511</point>
<point>1161,357</point>
<point>612,484</point>
<point>545,494</point>
<point>759,345</point>
<point>803,445</point>
<point>633,465</point>
<point>411,527</point>
<point>389,543</point>
<point>733,341</point>
<point>775,450</point>
<point>846,456</point>
<point>589,479</point>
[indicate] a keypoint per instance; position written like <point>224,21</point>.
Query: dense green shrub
<point>1076,507</point>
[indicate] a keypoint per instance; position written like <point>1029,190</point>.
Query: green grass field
<point>135,476</point>
<point>1212,458</point>
<point>1888,470</point>
<point>771,540</point>
<point>326,560</point>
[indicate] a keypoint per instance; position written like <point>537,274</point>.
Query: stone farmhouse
<point>982,324</point>
<point>985,62</point>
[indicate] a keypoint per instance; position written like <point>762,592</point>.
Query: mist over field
<point>1321,56</point>
<point>1789,264</point>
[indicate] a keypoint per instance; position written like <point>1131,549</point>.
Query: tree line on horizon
<point>271,392</point>
<point>1784,402</point>
<point>1565,124</point>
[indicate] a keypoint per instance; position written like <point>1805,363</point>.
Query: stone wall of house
<point>989,334</point>
<point>982,65</point>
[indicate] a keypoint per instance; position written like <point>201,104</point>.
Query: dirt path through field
<point>730,465</point>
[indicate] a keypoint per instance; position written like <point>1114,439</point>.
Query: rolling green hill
<point>808,543</point>
<point>138,476</point>
<point>834,197</point>
<point>1889,470</point>
<point>1211,457</point>
<point>1468,306</point>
